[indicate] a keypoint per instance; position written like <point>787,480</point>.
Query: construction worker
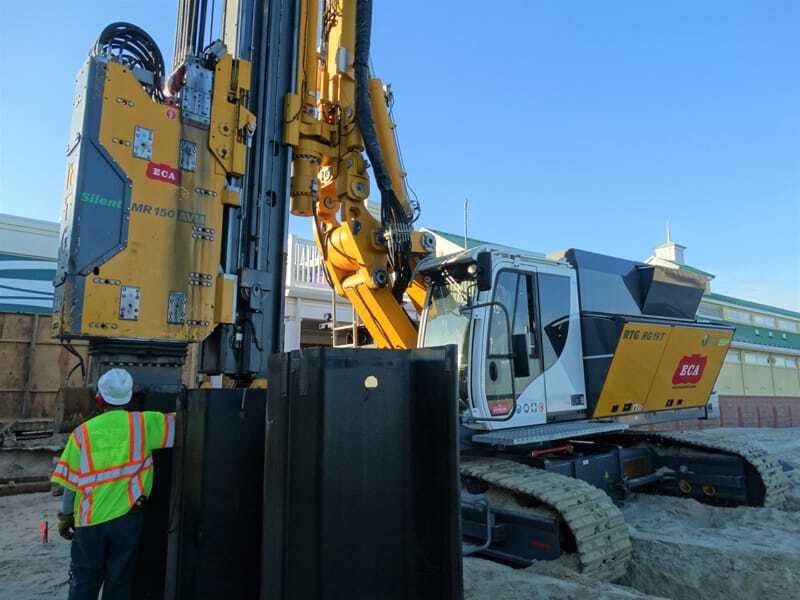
<point>107,470</point>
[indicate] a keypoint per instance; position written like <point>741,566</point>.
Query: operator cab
<point>573,336</point>
<point>515,320</point>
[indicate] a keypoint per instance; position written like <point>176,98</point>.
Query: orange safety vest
<point>108,462</point>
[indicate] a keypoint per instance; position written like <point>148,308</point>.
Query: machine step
<point>547,432</point>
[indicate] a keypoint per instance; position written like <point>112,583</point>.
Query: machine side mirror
<point>519,350</point>
<point>483,278</point>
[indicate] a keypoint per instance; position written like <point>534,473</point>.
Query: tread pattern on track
<point>598,526</point>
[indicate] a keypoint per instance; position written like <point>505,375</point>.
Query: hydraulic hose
<point>363,107</point>
<point>396,223</point>
<point>132,46</point>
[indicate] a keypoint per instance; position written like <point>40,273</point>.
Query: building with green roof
<point>763,360</point>
<point>28,252</point>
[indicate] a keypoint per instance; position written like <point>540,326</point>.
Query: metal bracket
<point>129,299</point>
<point>203,233</point>
<point>143,143</point>
<point>200,279</point>
<point>196,93</point>
<point>253,278</point>
<point>188,152</point>
<point>176,308</point>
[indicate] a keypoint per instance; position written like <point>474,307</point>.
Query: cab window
<point>516,292</point>
<point>554,299</point>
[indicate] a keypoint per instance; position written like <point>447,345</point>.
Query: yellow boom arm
<point>330,181</point>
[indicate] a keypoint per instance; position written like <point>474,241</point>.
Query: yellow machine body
<point>162,197</point>
<point>662,367</point>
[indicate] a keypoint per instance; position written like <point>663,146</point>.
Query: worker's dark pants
<point>105,555</point>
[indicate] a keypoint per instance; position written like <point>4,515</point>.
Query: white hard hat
<point>116,387</point>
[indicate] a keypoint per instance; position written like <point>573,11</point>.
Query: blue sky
<point>585,124</point>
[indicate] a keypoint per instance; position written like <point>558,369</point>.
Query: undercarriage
<point>528,502</point>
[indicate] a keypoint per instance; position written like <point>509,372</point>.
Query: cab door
<point>514,311</point>
<point>562,351</point>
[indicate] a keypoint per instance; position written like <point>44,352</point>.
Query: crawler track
<point>601,537</point>
<point>772,476</point>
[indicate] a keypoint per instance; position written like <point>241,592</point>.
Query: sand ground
<point>682,549</point>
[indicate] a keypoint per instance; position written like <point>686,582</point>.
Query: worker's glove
<point>66,526</point>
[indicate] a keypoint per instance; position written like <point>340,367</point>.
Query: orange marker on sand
<point>43,527</point>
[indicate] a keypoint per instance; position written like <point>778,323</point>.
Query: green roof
<point>753,305</point>
<point>458,240</point>
<point>763,336</point>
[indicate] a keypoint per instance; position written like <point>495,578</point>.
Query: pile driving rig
<point>173,233</point>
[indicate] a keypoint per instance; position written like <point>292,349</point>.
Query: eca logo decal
<point>689,370</point>
<point>163,172</point>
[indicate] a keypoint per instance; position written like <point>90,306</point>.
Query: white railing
<point>305,264</point>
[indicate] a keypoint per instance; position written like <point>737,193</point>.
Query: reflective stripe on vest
<point>114,473</point>
<point>82,437</point>
<point>64,472</point>
<point>135,489</point>
<point>169,431</point>
<point>85,511</point>
<point>136,429</point>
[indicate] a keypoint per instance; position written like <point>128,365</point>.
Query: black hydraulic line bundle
<point>132,46</point>
<point>395,221</point>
